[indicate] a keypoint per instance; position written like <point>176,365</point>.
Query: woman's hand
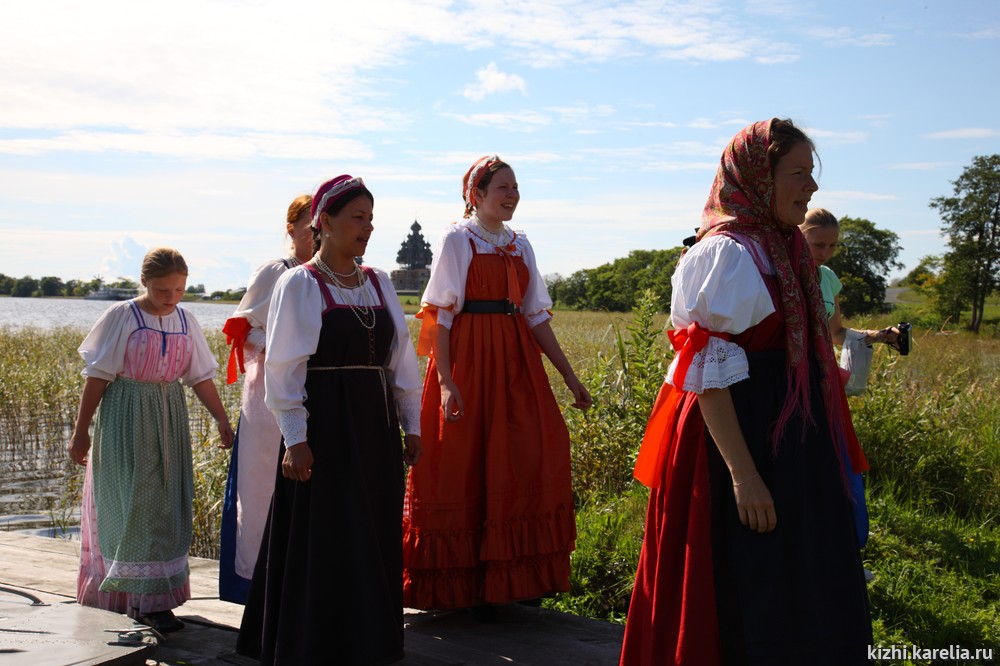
<point>754,504</point>
<point>413,449</point>
<point>79,446</point>
<point>451,401</point>
<point>297,462</point>
<point>581,396</point>
<point>226,434</point>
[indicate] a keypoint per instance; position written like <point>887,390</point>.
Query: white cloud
<point>582,112</point>
<point>124,261</point>
<point>835,137</point>
<point>964,133</point>
<point>991,32</point>
<point>523,121</point>
<point>844,36</point>
<point>193,145</point>
<point>233,80</point>
<point>920,166</point>
<point>490,81</point>
<point>198,64</point>
<point>650,123</point>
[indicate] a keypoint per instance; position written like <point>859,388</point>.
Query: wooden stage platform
<point>62,632</point>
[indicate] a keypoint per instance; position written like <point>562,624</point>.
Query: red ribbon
<point>236,330</point>
<point>687,342</point>
<point>659,439</point>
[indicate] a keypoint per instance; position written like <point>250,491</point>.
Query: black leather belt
<point>490,307</point>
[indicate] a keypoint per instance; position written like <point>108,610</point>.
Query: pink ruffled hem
<point>92,572</point>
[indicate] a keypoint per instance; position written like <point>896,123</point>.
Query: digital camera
<point>903,339</point>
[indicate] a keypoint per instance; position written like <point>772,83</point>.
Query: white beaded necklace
<point>365,312</point>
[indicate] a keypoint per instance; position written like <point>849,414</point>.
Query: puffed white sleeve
<point>293,326</point>
<point>449,270</point>
<point>103,350</point>
<point>717,284</point>
<point>402,371</point>
<point>257,301</point>
<point>203,363</point>
<point>537,303</point>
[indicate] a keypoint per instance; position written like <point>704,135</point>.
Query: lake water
<point>80,313</point>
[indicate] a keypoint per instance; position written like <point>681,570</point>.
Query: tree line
<point>957,281</point>
<point>49,286</point>
<point>866,255</point>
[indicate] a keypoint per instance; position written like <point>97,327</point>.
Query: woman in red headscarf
<point>342,380</point>
<point>750,554</point>
<point>489,512</point>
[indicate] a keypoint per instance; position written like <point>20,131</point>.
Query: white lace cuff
<point>255,342</point>
<point>408,411</point>
<point>292,423</point>
<point>719,365</point>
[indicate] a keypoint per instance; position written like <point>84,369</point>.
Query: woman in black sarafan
<point>341,378</point>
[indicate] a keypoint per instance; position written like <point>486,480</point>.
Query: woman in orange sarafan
<point>489,512</point>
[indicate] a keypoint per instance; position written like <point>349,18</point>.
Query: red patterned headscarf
<point>741,205</point>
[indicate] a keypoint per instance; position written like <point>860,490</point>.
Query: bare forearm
<point>720,416</point>
<point>441,346</point>
<point>93,391</point>
<point>753,499</point>
<point>209,397</point>
<point>546,339</point>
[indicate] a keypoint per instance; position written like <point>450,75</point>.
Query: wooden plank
<point>57,634</point>
<point>520,635</point>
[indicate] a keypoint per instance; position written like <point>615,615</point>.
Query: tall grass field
<point>929,424</point>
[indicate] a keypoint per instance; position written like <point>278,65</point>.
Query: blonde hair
<point>819,218</point>
<point>161,262</point>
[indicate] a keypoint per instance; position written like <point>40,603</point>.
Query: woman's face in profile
<point>794,185</point>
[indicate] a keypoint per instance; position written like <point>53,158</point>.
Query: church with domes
<point>414,259</point>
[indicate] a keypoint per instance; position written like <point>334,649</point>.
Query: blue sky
<point>194,123</point>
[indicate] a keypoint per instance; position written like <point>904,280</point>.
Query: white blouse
<point>104,348</point>
<point>450,269</point>
<point>718,285</point>
<point>293,326</point>
<point>257,300</point>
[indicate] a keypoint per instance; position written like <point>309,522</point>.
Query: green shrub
<point>623,384</point>
<point>608,542</point>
